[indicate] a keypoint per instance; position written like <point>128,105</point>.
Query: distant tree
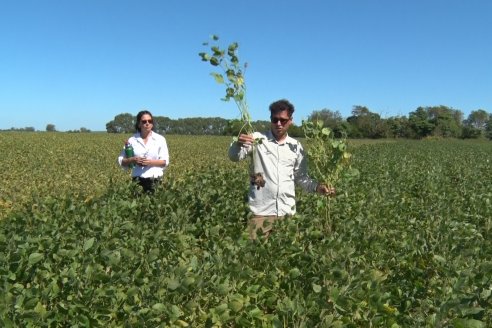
<point>82,130</point>
<point>233,127</point>
<point>399,127</point>
<point>469,132</point>
<point>26,129</point>
<point>420,123</point>
<point>366,124</point>
<point>478,119</point>
<point>50,128</point>
<point>476,124</point>
<point>331,119</point>
<point>488,128</point>
<point>440,121</point>
<point>122,123</point>
<point>198,126</point>
<point>295,131</point>
<point>447,121</point>
<point>162,124</point>
<point>264,126</point>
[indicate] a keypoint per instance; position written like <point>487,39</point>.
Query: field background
<point>406,244</point>
<point>84,165</point>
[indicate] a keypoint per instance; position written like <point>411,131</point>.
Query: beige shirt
<point>283,165</point>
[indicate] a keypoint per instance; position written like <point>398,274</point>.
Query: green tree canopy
<point>420,123</point>
<point>331,119</point>
<point>477,119</point>
<point>122,123</point>
<point>366,124</point>
<point>447,121</point>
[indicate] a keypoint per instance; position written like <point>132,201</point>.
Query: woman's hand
<point>143,161</point>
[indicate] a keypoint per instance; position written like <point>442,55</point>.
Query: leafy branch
<point>328,159</point>
<point>328,156</point>
<point>231,74</point>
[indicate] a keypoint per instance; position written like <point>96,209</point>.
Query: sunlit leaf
<point>35,258</point>
<point>89,243</point>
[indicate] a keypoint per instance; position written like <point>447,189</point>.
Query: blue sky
<point>79,63</point>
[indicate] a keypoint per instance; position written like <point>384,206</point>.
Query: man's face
<point>280,124</point>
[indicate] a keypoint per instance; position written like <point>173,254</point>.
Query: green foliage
<point>328,160</point>
<point>412,246</point>
<point>367,124</point>
<point>477,119</point>
<point>438,121</point>
<point>328,156</point>
<point>231,74</point>
<point>233,70</point>
<point>83,166</point>
<point>122,123</point>
<point>331,119</point>
<point>488,129</point>
<point>50,128</point>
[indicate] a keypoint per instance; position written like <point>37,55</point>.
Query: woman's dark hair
<point>280,106</point>
<point>139,117</point>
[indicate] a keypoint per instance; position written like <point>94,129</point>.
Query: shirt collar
<point>271,137</point>
<point>138,136</point>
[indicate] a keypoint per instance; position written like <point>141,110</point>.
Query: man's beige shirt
<point>283,165</point>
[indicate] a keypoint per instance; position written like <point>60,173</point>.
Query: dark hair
<point>139,117</point>
<point>280,106</point>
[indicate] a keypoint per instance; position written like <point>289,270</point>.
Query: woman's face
<point>146,123</point>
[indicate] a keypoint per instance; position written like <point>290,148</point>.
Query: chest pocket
<point>288,155</point>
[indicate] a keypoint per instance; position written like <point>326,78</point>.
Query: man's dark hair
<point>281,105</point>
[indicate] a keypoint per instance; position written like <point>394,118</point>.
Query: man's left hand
<point>325,190</point>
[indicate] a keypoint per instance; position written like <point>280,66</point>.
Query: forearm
<point>157,162</point>
<point>306,183</point>
<point>142,161</point>
<point>126,161</point>
<point>237,151</point>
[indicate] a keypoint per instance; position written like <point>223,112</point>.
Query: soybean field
<point>407,243</point>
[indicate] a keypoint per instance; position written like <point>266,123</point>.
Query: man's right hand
<point>246,139</point>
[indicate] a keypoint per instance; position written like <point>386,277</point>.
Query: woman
<point>151,155</point>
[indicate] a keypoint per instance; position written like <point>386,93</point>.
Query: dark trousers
<point>148,184</point>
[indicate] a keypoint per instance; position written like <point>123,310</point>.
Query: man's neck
<point>279,139</point>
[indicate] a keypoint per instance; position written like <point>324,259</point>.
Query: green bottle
<point>129,153</point>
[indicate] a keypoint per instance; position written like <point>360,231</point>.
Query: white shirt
<point>283,165</point>
<point>156,148</point>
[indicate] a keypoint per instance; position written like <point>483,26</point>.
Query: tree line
<point>424,122</point>
<point>49,128</point>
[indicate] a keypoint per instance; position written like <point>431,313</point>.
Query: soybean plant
<point>228,62</point>
<point>329,159</point>
<point>232,75</point>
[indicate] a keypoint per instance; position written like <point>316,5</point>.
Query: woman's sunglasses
<point>146,121</point>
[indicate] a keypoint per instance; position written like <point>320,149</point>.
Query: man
<point>279,163</point>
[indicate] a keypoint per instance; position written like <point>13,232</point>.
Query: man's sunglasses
<point>282,121</point>
<point>146,121</point>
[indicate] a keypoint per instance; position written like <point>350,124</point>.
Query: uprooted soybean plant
<point>230,66</point>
